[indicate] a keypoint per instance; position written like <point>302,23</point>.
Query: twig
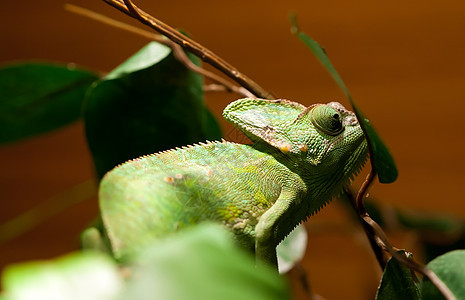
<point>177,50</point>
<point>410,263</point>
<point>112,22</point>
<point>361,211</point>
<point>221,88</point>
<point>192,46</point>
<point>379,241</point>
<point>364,189</point>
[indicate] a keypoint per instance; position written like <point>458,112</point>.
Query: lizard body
<point>300,158</point>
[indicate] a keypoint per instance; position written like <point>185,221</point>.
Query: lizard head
<point>326,137</point>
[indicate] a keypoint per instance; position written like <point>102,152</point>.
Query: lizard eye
<point>327,119</point>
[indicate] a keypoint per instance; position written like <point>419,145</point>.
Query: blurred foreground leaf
<point>39,97</point>
<point>380,157</point>
<point>149,103</point>
<point>77,276</point>
<point>397,283</point>
<point>201,263</point>
<point>450,268</point>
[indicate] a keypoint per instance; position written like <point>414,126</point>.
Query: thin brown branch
<point>410,263</point>
<point>364,189</point>
<point>177,50</point>
<point>114,23</point>
<point>369,232</point>
<point>192,46</point>
<point>221,88</point>
<point>379,241</point>
<point>179,53</point>
<point>213,88</point>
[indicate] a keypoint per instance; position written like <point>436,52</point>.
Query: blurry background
<point>403,62</point>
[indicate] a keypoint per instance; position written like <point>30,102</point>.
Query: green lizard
<point>299,159</point>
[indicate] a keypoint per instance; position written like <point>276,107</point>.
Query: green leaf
<point>380,156</point>
<point>202,262</point>
<point>292,249</point>
<point>39,97</point>
<point>77,276</point>
<point>149,103</point>
<point>450,268</point>
<point>382,159</point>
<point>397,282</point>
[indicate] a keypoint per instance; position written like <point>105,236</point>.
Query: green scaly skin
<point>300,158</point>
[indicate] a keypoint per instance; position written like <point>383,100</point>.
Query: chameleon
<point>299,159</point>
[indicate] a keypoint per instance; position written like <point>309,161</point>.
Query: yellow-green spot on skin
<point>260,198</point>
<point>231,213</point>
<point>247,169</point>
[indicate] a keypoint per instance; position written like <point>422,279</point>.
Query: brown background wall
<point>402,60</point>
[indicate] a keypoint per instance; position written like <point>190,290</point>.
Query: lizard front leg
<point>265,240</point>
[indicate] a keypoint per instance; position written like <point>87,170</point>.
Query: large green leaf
<point>397,283</point>
<point>39,97</point>
<point>450,268</point>
<point>77,276</point>
<point>202,263</point>
<point>149,103</point>
<point>380,156</point>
